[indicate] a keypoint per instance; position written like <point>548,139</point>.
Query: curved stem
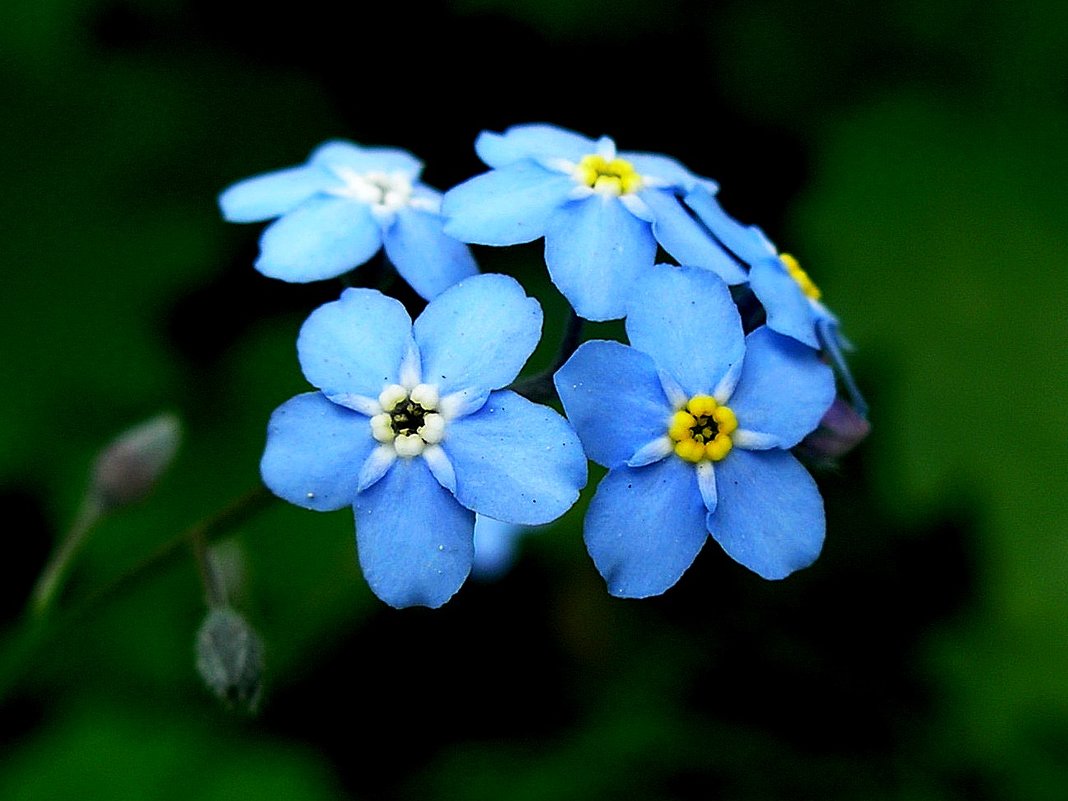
<point>539,388</point>
<point>51,580</point>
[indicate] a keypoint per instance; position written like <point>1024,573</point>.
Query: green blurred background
<point>911,154</point>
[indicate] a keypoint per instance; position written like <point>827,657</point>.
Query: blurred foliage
<point>910,154</point>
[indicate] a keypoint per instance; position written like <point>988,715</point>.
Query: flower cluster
<point>729,369</point>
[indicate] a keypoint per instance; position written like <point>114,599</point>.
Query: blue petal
<point>322,238</point>
<point>748,243</point>
<point>685,319</point>
<point>595,250</point>
<point>424,256</point>
<point>495,546</point>
<point>515,460</point>
<point>506,206</point>
<point>770,513</point>
<point>532,141</point>
<point>789,311</point>
<point>784,390</point>
<point>645,526</point>
<point>478,334</point>
<point>339,153</point>
<point>665,169</point>
<point>686,240</point>
<point>614,399</point>
<point>273,194</point>
<point>314,452</point>
<point>355,344</point>
<point>415,542</point>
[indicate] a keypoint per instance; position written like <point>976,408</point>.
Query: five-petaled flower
<point>601,212</point>
<point>411,427</point>
<point>340,208</point>
<point>694,420</point>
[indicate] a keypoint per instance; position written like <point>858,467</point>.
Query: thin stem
<point>52,578</point>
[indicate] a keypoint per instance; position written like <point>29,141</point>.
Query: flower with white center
<point>694,421</point>
<point>790,298</point>
<point>340,208</point>
<point>410,427</point>
<point>601,211</point>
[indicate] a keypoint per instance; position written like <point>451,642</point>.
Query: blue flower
<point>694,421</point>
<point>340,208</point>
<point>602,212</point>
<point>790,298</point>
<point>410,427</point>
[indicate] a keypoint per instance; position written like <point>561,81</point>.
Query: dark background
<point>911,155</point>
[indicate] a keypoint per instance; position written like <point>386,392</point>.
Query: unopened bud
<point>230,658</point>
<point>128,468</point>
<point>841,429</point>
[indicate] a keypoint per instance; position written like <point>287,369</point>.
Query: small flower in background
<point>694,421</point>
<point>229,658</point>
<point>790,298</point>
<point>131,465</point>
<point>340,208</point>
<point>602,212</point>
<point>412,429</point>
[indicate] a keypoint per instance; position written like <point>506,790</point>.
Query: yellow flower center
<point>702,429</point>
<point>615,177</point>
<point>808,286</point>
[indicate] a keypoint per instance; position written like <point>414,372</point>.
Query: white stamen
<point>462,403</point>
<point>433,428</point>
<point>725,388</point>
<point>358,403</point>
<point>380,460</point>
<point>384,192</point>
<point>382,428</point>
<point>408,445</point>
<point>606,148</point>
<point>411,368</point>
<point>754,440</point>
<point>651,452</point>
<point>391,396</point>
<point>426,395</point>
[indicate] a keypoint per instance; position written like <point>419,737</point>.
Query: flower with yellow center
<point>702,430</point>
<point>610,177</point>
<point>808,286</point>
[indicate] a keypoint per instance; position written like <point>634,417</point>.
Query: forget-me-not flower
<point>601,212</point>
<point>340,208</point>
<point>694,420</point>
<point>410,426</point>
<point>790,298</point>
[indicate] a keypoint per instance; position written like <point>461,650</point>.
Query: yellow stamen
<point>615,177</point>
<point>808,286</point>
<point>701,431</point>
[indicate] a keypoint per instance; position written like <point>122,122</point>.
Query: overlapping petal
<point>748,243</point>
<point>507,206</point>
<point>314,452</point>
<point>788,309</point>
<point>770,514</point>
<point>428,259</point>
<point>687,240</point>
<point>614,399</point>
<point>414,541</point>
<point>784,389</point>
<point>663,169</point>
<point>516,461</point>
<point>595,249</point>
<point>273,194</point>
<point>685,319</point>
<point>645,526</point>
<point>355,344</point>
<point>485,349</point>
<point>536,141</point>
<point>322,238</point>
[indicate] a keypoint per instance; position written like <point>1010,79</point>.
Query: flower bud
<point>128,468</point>
<point>841,429</point>
<point>229,658</point>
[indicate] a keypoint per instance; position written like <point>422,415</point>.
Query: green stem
<point>52,578</point>
<point>539,388</point>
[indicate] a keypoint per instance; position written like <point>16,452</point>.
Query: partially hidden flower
<point>790,298</point>
<point>601,211</point>
<point>694,421</point>
<point>496,544</point>
<point>340,208</point>
<point>410,427</point>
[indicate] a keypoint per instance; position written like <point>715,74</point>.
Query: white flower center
<point>410,421</point>
<point>383,191</point>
